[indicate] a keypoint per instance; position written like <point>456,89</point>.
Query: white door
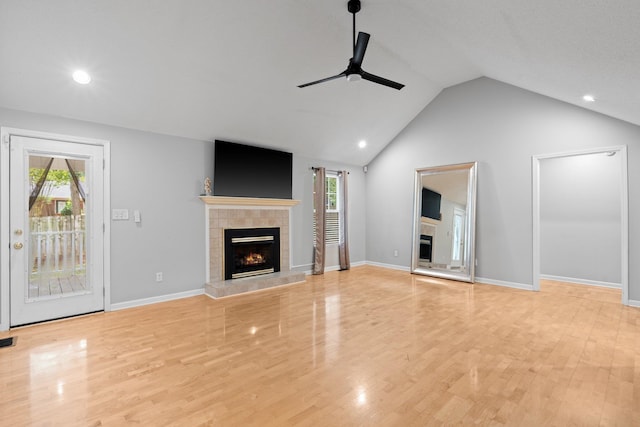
<point>56,192</point>
<point>457,246</point>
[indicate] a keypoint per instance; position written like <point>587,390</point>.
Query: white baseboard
<point>154,300</point>
<point>581,281</point>
<point>391,266</point>
<point>634,303</point>
<point>514,285</point>
<point>303,267</point>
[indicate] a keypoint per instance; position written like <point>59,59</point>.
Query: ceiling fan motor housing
<point>353,6</point>
<point>354,70</point>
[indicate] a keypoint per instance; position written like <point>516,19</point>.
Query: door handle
<point>18,245</point>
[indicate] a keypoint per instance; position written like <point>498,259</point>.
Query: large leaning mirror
<point>445,222</point>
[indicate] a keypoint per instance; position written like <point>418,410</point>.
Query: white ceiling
<point>208,69</point>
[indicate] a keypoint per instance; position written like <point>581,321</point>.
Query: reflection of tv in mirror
<point>248,171</point>
<point>431,204</point>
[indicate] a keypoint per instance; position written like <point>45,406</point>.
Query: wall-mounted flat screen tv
<point>431,204</point>
<point>247,171</point>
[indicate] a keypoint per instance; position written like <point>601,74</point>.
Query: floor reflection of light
<point>362,396</point>
<point>313,333</point>
<point>51,366</point>
<point>57,359</point>
<point>224,322</point>
<point>42,362</point>
<point>253,330</point>
<point>473,377</point>
<point>332,327</point>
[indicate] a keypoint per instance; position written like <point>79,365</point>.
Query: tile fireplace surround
<point>246,212</point>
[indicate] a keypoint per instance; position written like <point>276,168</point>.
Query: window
<point>332,217</point>
<point>331,182</point>
<point>60,205</point>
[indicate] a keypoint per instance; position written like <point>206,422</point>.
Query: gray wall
<point>501,127</point>
<point>580,217</point>
<point>161,176</point>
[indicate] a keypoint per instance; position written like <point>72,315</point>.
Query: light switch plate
<point>120,214</point>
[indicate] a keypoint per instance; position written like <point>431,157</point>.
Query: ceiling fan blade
<point>381,80</point>
<point>343,74</point>
<point>360,48</point>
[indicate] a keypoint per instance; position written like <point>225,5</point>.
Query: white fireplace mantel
<point>247,201</point>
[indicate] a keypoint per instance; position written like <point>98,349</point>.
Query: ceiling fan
<point>354,70</point>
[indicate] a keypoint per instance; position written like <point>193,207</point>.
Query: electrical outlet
<point>395,253</point>
<point>159,276</point>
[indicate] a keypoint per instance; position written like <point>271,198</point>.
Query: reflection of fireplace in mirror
<point>251,252</point>
<point>426,249</point>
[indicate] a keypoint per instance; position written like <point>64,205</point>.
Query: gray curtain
<point>343,246</point>
<point>320,206</point>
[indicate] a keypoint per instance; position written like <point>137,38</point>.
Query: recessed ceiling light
<point>362,144</point>
<point>81,76</point>
<point>588,98</point>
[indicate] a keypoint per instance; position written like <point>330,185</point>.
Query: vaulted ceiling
<point>208,69</point>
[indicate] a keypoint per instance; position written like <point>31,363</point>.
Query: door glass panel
<point>57,228</point>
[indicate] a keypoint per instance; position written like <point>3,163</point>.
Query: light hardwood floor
<point>367,347</point>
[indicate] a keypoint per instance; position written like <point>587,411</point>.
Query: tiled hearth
<point>244,212</point>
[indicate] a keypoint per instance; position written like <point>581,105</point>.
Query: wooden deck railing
<point>58,244</point>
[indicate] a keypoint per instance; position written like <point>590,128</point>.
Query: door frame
<point>624,212</point>
<point>5,285</point>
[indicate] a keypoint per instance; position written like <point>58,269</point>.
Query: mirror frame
<point>470,223</point>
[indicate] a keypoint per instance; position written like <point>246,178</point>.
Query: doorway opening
<point>580,221</point>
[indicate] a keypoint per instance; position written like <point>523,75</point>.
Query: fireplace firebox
<point>251,251</point>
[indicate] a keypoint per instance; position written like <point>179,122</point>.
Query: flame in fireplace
<point>253,259</point>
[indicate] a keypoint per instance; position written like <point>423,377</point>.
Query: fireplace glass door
<point>250,252</point>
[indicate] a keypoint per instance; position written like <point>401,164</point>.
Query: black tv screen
<point>247,171</point>
<point>431,204</point>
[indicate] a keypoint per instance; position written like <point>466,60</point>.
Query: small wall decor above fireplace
<point>251,252</point>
